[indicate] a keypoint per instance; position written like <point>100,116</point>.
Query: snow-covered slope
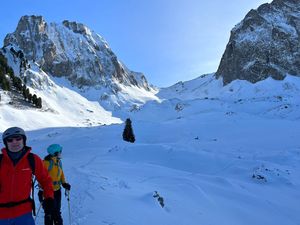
<point>209,167</point>
<point>205,94</point>
<point>214,154</point>
<point>63,103</point>
<point>78,56</point>
<point>61,107</point>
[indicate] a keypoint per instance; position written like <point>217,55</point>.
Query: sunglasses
<point>57,153</point>
<point>11,139</point>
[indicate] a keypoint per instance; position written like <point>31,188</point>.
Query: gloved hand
<point>66,186</point>
<point>41,196</point>
<point>48,206</point>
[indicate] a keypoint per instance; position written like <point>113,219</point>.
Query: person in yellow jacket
<point>54,166</point>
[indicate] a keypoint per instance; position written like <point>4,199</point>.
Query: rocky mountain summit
<point>266,43</point>
<point>72,50</point>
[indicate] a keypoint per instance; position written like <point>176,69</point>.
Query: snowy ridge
<point>205,94</point>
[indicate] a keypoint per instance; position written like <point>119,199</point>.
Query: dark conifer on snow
<point>128,132</point>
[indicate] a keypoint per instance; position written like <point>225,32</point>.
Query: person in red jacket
<point>16,180</point>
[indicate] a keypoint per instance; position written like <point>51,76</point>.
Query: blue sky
<point>167,40</point>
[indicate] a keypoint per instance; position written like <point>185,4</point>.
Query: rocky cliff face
<point>265,43</point>
<point>72,50</point>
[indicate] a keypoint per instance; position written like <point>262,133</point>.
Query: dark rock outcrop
<point>266,43</point>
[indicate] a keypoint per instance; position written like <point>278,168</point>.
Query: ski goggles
<point>12,138</point>
<point>57,153</point>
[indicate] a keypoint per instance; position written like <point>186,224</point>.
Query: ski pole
<point>67,194</point>
<point>38,212</point>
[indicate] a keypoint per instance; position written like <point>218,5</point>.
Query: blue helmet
<point>54,148</point>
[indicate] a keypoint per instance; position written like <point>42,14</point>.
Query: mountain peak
<point>32,23</point>
<point>32,19</point>
<point>77,27</point>
<point>264,44</point>
<point>72,50</point>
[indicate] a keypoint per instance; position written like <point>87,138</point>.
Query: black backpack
<point>31,161</point>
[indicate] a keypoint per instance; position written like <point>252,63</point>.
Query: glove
<point>41,196</point>
<point>66,186</point>
<point>48,206</point>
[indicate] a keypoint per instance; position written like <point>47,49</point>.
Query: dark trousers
<point>55,218</point>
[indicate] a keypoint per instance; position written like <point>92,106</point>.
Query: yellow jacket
<point>56,172</point>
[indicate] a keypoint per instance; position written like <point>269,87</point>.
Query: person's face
<point>58,155</point>
<point>15,143</point>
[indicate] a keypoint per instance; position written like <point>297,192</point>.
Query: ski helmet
<point>54,148</point>
<point>13,131</point>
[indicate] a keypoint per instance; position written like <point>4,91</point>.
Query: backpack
<point>51,164</point>
<point>31,161</point>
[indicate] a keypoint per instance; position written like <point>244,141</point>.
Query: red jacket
<point>15,184</point>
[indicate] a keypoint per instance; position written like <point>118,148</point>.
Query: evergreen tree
<point>10,71</point>
<point>25,80</point>
<point>27,93</point>
<point>39,103</point>
<point>34,99</point>
<point>17,83</point>
<point>29,97</point>
<point>24,91</point>
<point>3,62</point>
<point>128,132</point>
<point>4,83</point>
<point>4,70</point>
